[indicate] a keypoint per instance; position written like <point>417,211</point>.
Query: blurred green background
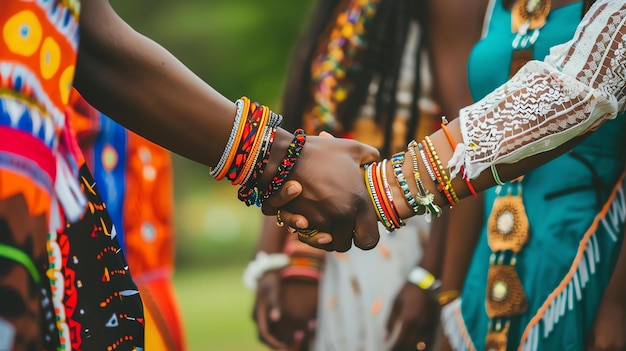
<point>240,47</point>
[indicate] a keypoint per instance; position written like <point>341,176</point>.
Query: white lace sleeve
<point>578,86</point>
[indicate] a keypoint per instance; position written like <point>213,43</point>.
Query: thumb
<point>273,303</point>
<point>288,192</point>
<point>368,154</point>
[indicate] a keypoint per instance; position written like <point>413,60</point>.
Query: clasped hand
<point>326,192</point>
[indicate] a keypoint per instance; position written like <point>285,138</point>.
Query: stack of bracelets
<point>422,202</point>
<point>248,149</point>
<point>305,262</point>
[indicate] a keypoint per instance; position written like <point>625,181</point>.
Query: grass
<point>216,309</point>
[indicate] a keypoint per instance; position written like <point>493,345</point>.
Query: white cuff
<point>423,279</point>
<point>263,262</point>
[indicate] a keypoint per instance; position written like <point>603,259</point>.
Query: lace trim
<point>578,86</point>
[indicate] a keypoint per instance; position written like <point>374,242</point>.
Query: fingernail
<point>275,314</point>
<point>298,335</point>
<point>300,224</point>
<point>292,190</point>
<point>323,240</point>
<point>312,324</point>
<point>385,335</point>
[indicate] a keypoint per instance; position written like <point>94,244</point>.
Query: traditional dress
<point>136,180</point>
<point>64,281</point>
<point>551,239</point>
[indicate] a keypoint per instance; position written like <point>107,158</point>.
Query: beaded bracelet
<point>371,189</point>
<point>444,127</point>
<point>249,135</point>
<point>442,171</point>
<point>384,199</point>
<point>251,151</point>
<point>424,197</point>
<point>442,186</point>
<point>427,165</point>
<point>287,164</point>
<point>397,160</point>
<point>249,193</point>
<point>240,104</point>
<point>389,193</point>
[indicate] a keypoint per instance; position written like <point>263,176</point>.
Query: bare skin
<point>123,73</point>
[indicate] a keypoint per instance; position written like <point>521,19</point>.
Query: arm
<point>139,84</point>
<point>540,113</point>
<point>414,309</point>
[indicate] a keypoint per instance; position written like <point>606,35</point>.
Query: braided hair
<point>378,59</point>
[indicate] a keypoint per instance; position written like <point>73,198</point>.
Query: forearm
<point>462,234</point>
<point>272,238</point>
<point>141,85</point>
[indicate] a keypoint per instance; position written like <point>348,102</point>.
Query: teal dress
<point>575,205</point>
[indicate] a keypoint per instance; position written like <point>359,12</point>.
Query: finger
<point>273,304</point>
<point>342,237</point>
<point>294,220</point>
<point>365,231</point>
<point>320,240</point>
<point>326,135</point>
<point>367,153</point>
<point>298,336</point>
<point>394,335</point>
<point>263,329</point>
<point>288,192</point>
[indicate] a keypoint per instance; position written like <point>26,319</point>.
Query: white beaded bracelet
<point>262,263</point>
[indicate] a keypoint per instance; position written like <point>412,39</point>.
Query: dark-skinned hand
<point>285,311</point>
<point>413,321</point>
<point>333,198</point>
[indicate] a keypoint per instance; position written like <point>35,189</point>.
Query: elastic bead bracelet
<point>384,200</point>
<point>424,197</point>
<point>389,193</point>
<point>253,149</point>
<point>427,165</point>
<point>397,160</point>
<point>287,164</point>
<point>240,128</point>
<point>442,185</point>
<point>231,139</point>
<point>448,188</point>
<point>371,189</point>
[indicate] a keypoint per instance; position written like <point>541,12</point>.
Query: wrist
<point>263,263</point>
<point>425,280</point>
<point>282,139</point>
<point>305,262</point>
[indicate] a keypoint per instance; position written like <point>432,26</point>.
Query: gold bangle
<point>445,297</point>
